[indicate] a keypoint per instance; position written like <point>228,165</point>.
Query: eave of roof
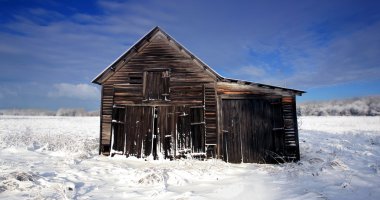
<point>96,79</point>
<point>150,34</point>
<point>243,82</point>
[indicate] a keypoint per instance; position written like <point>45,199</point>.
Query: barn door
<point>132,130</point>
<point>157,131</point>
<point>198,129</point>
<point>183,137</point>
<point>166,129</point>
<point>247,130</point>
<point>232,143</point>
<point>139,130</point>
<point>190,134</point>
<point>142,131</point>
<point>118,130</point>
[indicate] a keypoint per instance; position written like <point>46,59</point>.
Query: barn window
<point>156,85</point>
<point>135,80</point>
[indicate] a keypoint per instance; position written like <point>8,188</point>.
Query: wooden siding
<point>106,117</point>
<point>211,119</point>
<point>291,144</point>
<point>128,83</point>
<point>261,129</point>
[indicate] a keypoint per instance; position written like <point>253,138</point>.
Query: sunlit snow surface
<point>56,158</point>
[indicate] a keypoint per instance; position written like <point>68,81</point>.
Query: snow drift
<point>56,158</point>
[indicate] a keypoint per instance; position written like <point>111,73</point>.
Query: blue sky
<point>51,50</point>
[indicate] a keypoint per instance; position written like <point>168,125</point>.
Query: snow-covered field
<point>56,158</point>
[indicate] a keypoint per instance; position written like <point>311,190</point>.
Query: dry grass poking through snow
<point>65,134</point>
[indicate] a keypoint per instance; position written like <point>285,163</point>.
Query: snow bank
<point>40,112</point>
<point>55,158</point>
<point>62,134</point>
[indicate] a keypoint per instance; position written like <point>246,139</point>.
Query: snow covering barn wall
<point>159,100</point>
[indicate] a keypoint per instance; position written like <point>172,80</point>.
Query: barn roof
<point>109,70</point>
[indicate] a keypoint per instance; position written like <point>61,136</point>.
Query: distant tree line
<point>41,112</point>
<point>359,106</point>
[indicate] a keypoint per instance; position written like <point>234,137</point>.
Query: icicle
<point>176,140</point>
<point>154,116</point>
<point>142,148</point>
<point>112,141</point>
<point>241,145</point>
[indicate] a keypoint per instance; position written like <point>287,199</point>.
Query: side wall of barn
<point>256,124</point>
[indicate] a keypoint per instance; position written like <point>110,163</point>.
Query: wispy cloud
<point>301,59</point>
<point>351,57</point>
<point>75,91</point>
<point>60,47</point>
<point>299,45</point>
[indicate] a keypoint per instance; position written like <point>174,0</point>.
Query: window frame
<point>164,83</point>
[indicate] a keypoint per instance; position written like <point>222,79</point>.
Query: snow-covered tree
<point>358,106</point>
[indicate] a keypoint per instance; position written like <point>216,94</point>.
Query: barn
<point>160,101</point>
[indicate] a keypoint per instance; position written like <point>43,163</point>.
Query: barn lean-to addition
<point>158,100</point>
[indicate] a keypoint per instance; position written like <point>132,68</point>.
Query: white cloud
<point>75,91</point>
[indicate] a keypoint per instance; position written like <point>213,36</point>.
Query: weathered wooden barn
<point>158,100</point>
